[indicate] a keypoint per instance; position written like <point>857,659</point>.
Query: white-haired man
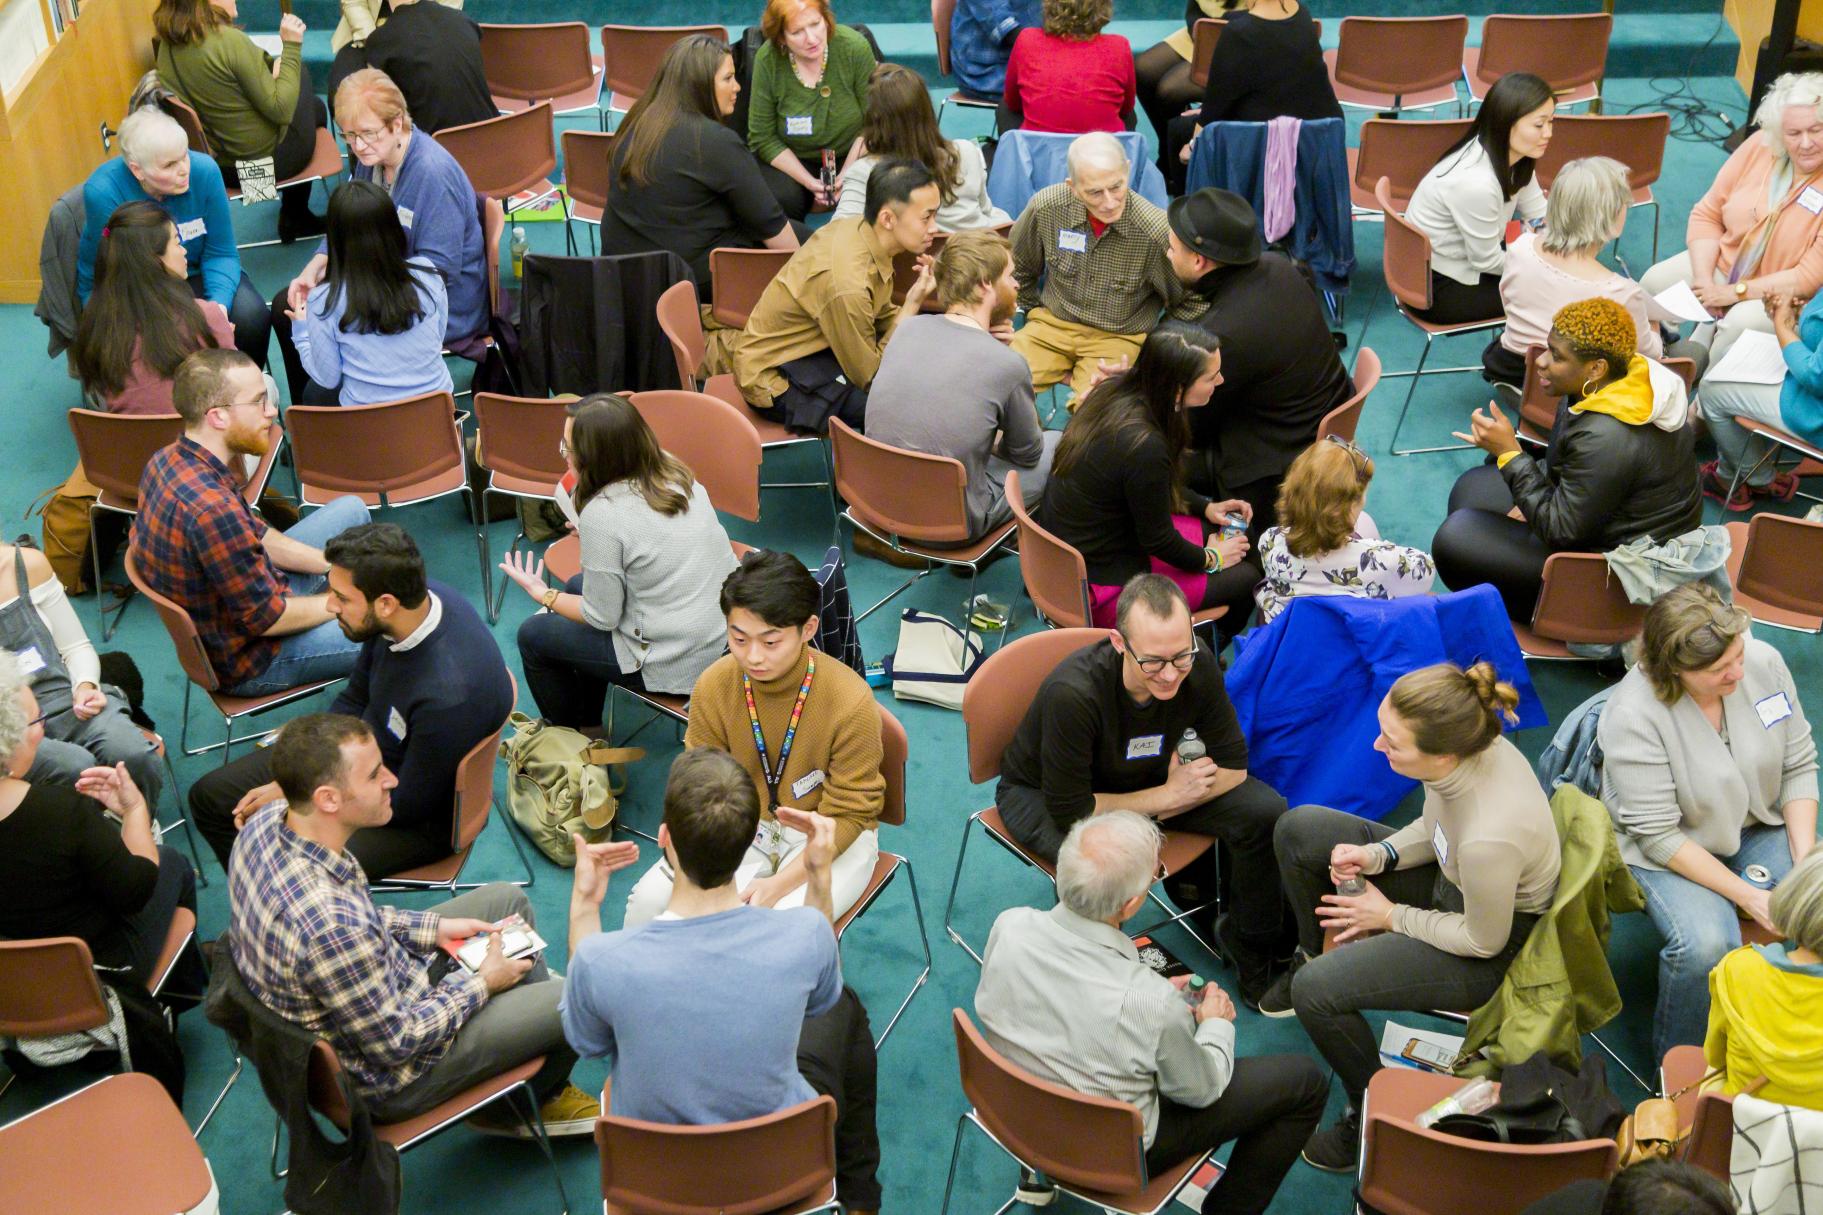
<point>1092,269</point>
<point>1064,995</point>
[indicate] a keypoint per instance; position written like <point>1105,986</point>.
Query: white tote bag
<point>934,661</point>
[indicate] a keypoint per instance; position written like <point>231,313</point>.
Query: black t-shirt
<point>703,191</point>
<point>1084,734</point>
<point>433,54</point>
<point>1268,69</point>
<point>64,872</point>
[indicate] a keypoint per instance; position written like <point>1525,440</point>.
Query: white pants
<point>1748,314</point>
<point>848,878</point>
<point>1725,400</point>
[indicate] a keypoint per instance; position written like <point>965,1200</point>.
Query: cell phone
<point>1428,1055</point>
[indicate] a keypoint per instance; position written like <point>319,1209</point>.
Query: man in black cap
<point>1280,369</point>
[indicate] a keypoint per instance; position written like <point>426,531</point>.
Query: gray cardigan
<point>1668,777</point>
<point>652,581</point>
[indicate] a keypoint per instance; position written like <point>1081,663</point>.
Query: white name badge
<point>797,124</point>
<point>804,784</point>
<point>405,217</point>
<point>1811,199</point>
<point>1440,844</point>
<point>1072,241</point>
<point>1146,746</point>
<point>190,229</point>
<point>395,722</point>
<point>1773,710</point>
<point>30,660</point>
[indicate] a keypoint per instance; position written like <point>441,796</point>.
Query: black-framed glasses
<point>38,720</point>
<point>1152,666</point>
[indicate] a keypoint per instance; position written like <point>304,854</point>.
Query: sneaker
<point>1337,1147</point>
<point>1782,488</point>
<point>1716,488</point>
<point>570,1112</point>
<point>1252,969</point>
<point>1276,1002</point>
<point>1034,1189</point>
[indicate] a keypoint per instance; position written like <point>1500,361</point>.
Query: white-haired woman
<point>66,869</point>
<point>1759,229</point>
<point>1587,208</point>
<point>156,164</point>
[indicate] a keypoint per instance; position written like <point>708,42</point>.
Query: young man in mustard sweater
<point>804,726</point>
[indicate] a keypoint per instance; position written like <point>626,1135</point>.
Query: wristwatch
<point>550,597</point>
<point>1740,291</point>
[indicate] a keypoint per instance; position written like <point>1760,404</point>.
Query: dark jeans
<point>1452,303</point>
<point>836,1055</point>
<point>570,665</point>
<point>1242,818</point>
<point>1479,543</point>
<point>382,851</point>
<point>251,318</point>
<point>1390,972</point>
<point>1270,1107</point>
<point>145,929</point>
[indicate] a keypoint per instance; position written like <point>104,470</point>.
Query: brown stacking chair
<point>1346,417</point>
<point>1810,455</point>
<point>910,502</point>
<point>587,180</point>
<point>779,1164</point>
<point>1092,1148</point>
<point>1776,567</point>
<point>48,1159</point>
<point>715,441</point>
<point>325,158</point>
<point>942,14</point>
<point>1406,263</point>
<point>1408,1170</point>
<point>1203,36</point>
<point>740,277</point>
<point>993,705</point>
<point>1636,140</point>
<point>1708,1114</point>
<point>113,450</point>
<point>1569,50</point>
<point>517,441</point>
<point>1055,576</point>
<point>509,158</point>
<point>630,55</point>
<point>526,64</point>
<point>1401,152</point>
<point>1398,63</point>
<point>200,674</point>
<point>895,748</point>
<point>392,453</point>
<point>1581,602</point>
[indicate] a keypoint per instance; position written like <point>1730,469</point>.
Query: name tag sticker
<point>1773,710</point>
<point>1146,746</point>
<point>797,124</point>
<point>405,217</point>
<point>395,722</point>
<point>1440,844</point>
<point>190,229</point>
<point>1072,241</point>
<point>804,784</point>
<point>30,660</point>
<point>1811,199</point>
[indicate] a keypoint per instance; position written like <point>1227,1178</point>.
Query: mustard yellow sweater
<point>1766,1019</point>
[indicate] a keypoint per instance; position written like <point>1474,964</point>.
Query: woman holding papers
<point>1750,385</point>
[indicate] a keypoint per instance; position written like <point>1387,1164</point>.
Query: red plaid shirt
<point>198,543</point>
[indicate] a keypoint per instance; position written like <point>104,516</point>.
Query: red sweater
<point>1066,86</point>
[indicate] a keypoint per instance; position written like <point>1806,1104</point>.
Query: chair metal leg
<point>1406,408</point>
<point>498,599</point>
<point>196,859</point>
<point>955,1158</point>
<point>955,881</point>
<point>278,1127</point>
<point>1612,1054</point>
<point>234,1075</point>
<point>535,1124</point>
<point>924,937</point>
<point>1183,918</point>
<point>512,836</point>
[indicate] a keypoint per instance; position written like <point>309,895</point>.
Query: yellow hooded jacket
<point>1766,1019</point>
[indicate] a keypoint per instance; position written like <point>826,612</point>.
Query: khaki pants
<point>1059,350</point>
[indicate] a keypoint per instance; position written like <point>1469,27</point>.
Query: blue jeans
<point>1699,926</point>
<point>323,652</point>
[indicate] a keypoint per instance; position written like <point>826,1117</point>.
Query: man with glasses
<point>1280,369</point>
<point>256,594</point>
<point>1093,275</point>
<point>1103,733</point>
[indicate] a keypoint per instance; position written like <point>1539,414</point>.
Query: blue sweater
<point>1801,397</point>
<point>437,206</point>
<point>375,367</point>
<point>200,213</point>
<point>981,39</point>
<point>428,705</point>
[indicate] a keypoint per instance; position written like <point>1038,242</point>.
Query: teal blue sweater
<point>1801,399</point>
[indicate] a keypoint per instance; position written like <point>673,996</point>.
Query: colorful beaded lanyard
<point>791,730</point>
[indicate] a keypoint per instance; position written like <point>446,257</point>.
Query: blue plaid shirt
<point>315,948</point>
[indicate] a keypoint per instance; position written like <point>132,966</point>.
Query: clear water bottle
<point>1194,989</point>
<point>1351,886</point>
<point>518,247</point>
<point>1190,747</point>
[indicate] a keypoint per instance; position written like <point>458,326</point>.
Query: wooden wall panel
<point>1752,20</point>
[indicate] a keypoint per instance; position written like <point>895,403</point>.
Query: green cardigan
<point>228,81</point>
<point>779,96</point>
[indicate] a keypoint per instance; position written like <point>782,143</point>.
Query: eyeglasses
<point>38,720</point>
<point>369,138</point>
<point>563,448</point>
<point>1354,453</point>
<point>1152,666</point>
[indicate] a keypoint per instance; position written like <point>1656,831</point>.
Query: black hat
<point>1219,224</point>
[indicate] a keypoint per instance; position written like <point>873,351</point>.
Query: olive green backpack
<point>558,781</point>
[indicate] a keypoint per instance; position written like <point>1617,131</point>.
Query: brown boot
<point>867,546</point>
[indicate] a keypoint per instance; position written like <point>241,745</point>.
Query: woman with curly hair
<point>1069,77</point>
<point>1621,463</point>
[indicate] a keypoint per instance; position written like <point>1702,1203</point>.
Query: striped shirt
<point>1116,282</point>
<point>1069,1000</point>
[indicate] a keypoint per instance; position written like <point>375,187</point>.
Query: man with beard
<point>429,682</point>
<point>948,383</point>
<point>255,593</point>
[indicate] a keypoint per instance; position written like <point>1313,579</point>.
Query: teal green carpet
<point>920,1099</point>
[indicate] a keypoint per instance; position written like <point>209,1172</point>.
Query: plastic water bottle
<point>1194,989</point>
<point>1472,1098</point>
<point>1190,747</point>
<point>1351,886</point>
<point>518,247</point>
<point>1233,524</point>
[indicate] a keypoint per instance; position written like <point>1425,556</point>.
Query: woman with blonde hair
<point>900,125</point>
<point>1454,893</point>
<point>1766,1001</point>
<point>1069,77</point>
<point>1710,774</point>
<point>1325,543</point>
